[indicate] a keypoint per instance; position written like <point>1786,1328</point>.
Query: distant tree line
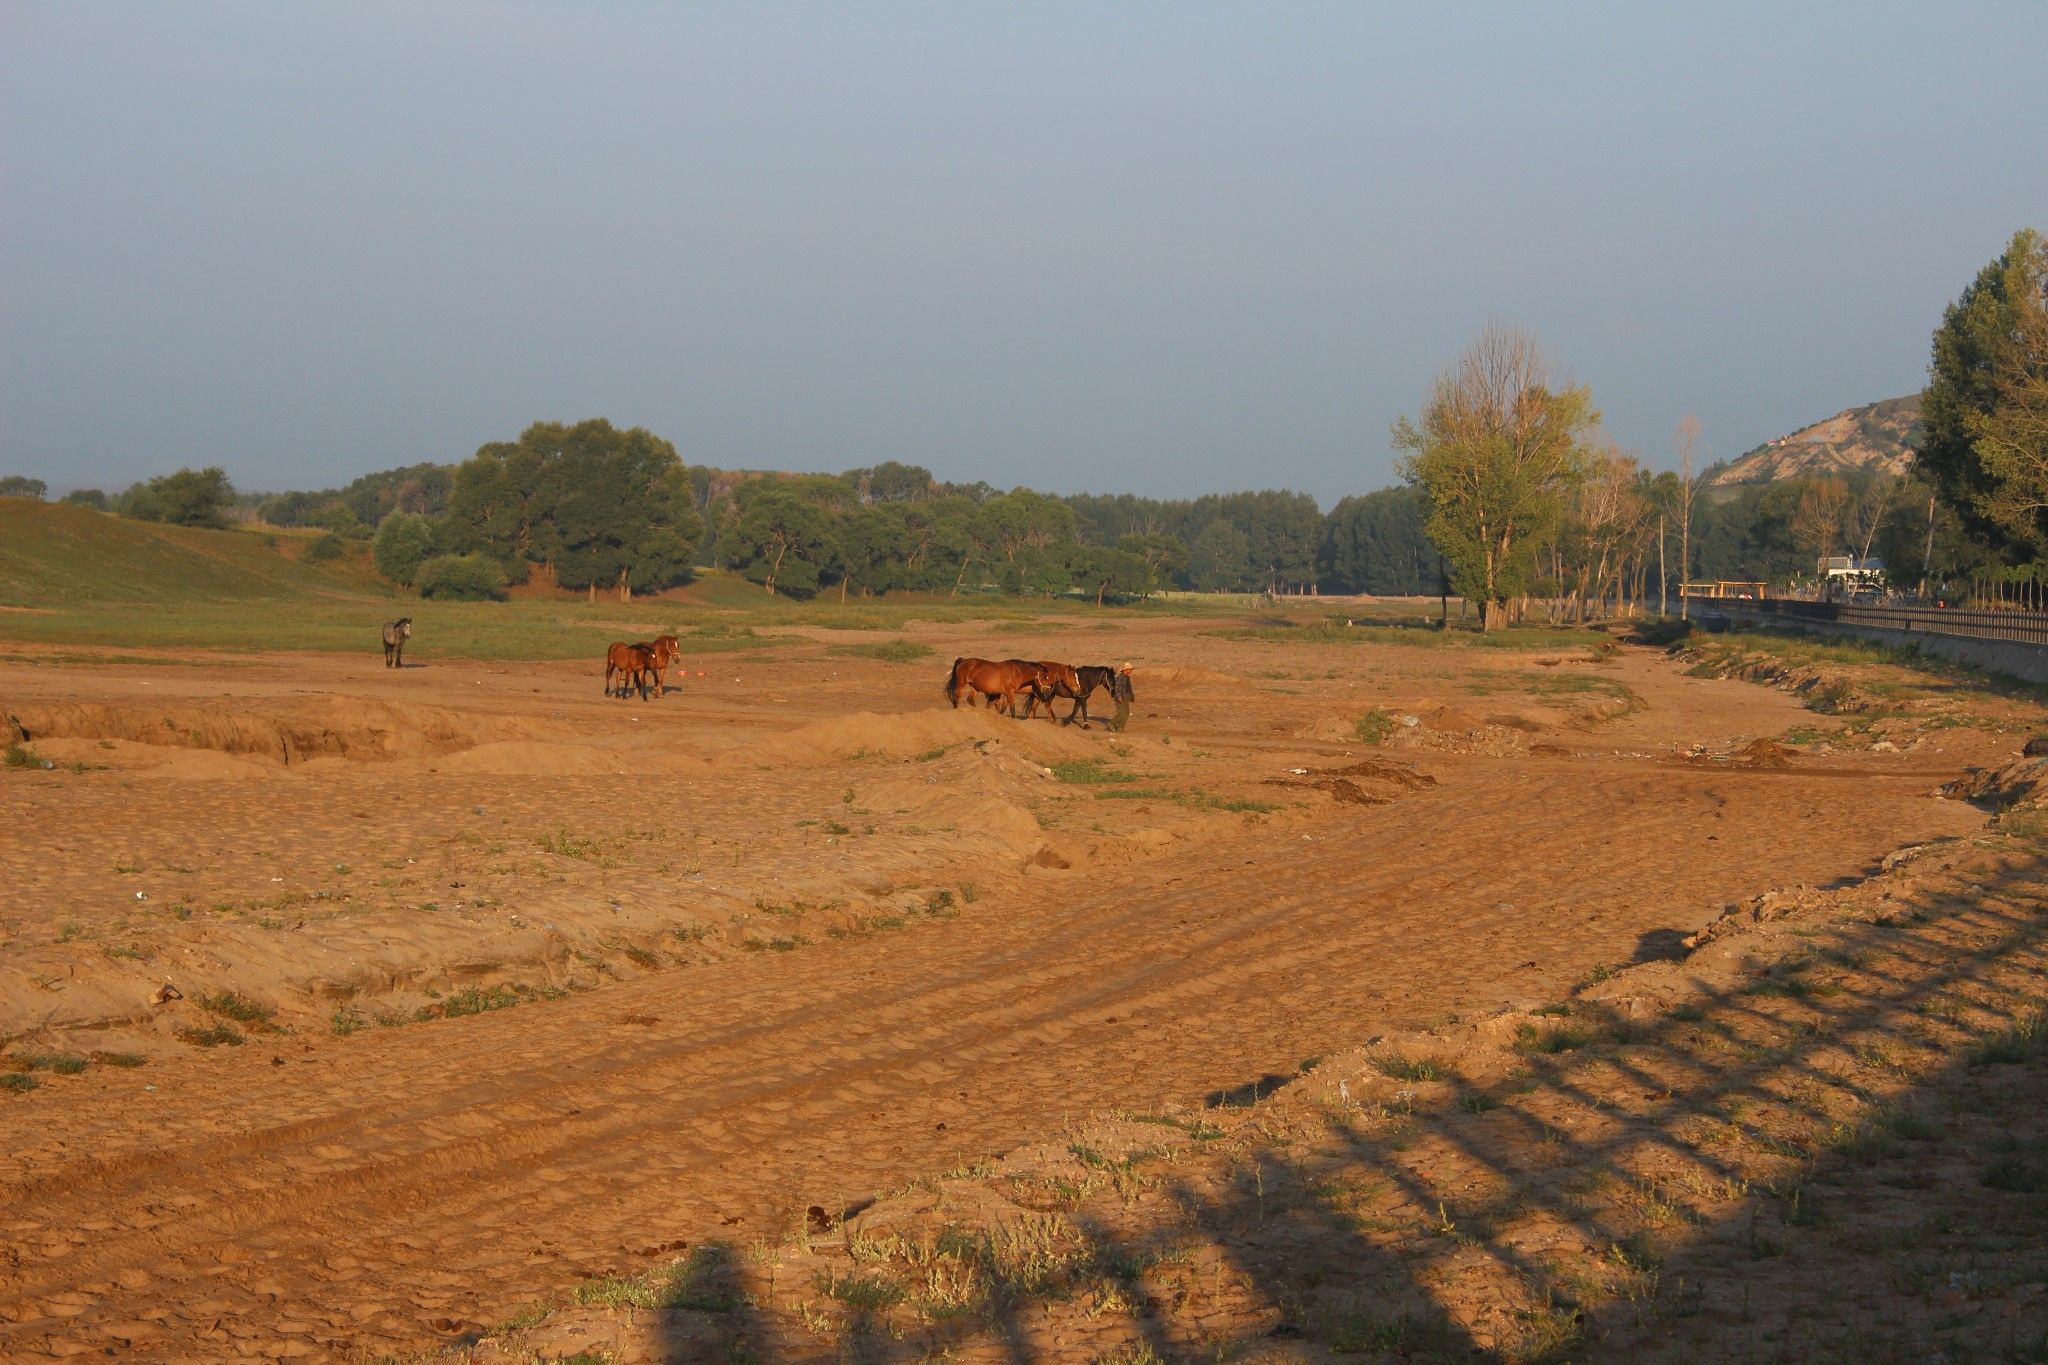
<point>1514,500</point>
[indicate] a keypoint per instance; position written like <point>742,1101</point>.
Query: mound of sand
<point>286,732</point>
<point>2022,782</point>
<point>537,758</point>
<point>908,735</point>
<point>157,760</point>
<point>1172,677</point>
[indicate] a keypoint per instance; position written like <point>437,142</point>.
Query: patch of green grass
<point>1090,771</point>
<point>2025,1041</point>
<point>1198,800</point>
<point>213,1035</point>
<point>1375,726</point>
<point>239,1008</point>
<point>1194,1128</point>
<point>857,1290</point>
<point>121,1059</point>
<point>17,1081</point>
<point>1404,1335</point>
<point>897,651</point>
<point>1550,1041</point>
<point>1410,1068</point>
<point>236,1007</point>
<point>56,1063</point>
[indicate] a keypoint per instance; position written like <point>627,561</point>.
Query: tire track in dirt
<point>462,1168</point>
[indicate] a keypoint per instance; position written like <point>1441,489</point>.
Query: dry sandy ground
<point>787,936</point>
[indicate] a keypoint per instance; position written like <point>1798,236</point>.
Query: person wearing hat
<point>1120,693</point>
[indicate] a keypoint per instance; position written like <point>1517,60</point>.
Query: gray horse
<point>396,633</point>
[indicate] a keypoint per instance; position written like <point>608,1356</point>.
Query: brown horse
<point>635,662</point>
<point>1054,680</point>
<point>664,651</point>
<point>994,681</point>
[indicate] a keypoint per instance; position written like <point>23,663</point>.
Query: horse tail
<point>953,685</point>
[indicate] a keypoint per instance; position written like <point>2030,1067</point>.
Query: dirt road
<point>307,1194</point>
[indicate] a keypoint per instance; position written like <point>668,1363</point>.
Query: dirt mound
<point>540,758</point>
<point>1450,720</point>
<point>1758,753</point>
<point>1347,785</point>
<point>344,727</point>
<point>2022,782</point>
<point>1173,677</point>
<point>908,736</point>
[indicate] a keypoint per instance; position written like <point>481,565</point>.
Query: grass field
<point>74,577</point>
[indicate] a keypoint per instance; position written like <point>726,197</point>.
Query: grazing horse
<point>1092,676</point>
<point>396,633</point>
<point>994,681</point>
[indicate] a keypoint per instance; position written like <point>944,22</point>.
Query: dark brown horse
<point>995,681</point>
<point>1092,676</point>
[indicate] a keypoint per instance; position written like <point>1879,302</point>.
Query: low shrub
<point>461,578</point>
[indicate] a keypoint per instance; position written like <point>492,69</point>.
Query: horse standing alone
<point>396,633</point>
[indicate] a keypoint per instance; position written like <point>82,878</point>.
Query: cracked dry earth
<point>768,955</point>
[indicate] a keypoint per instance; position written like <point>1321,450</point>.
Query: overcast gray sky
<point>1168,248</point>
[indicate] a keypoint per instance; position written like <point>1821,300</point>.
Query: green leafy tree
<point>1985,445</point>
<point>781,536</point>
<point>462,578</point>
<point>1219,559</point>
<point>403,542</point>
<point>21,486</point>
<point>1019,522</point>
<point>891,481</point>
<point>1107,573</point>
<point>190,497</point>
<point>1375,543</point>
<point>1162,555</point>
<point>604,508</point>
<point>88,497</point>
<point>1498,451</point>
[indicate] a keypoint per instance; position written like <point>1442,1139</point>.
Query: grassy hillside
<point>73,577</point>
<point>53,555</point>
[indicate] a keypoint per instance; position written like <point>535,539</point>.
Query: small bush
<point>239,1008</point>
<point>56,1063</point>
<point>326,549</point>
<point>1374,726</point>
<point>403,543</point>
<point>15,1080</point>
<point>461,578</point>
<point>892,651</point>
<point>1409,1068</point>
<point>214,1035</point>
